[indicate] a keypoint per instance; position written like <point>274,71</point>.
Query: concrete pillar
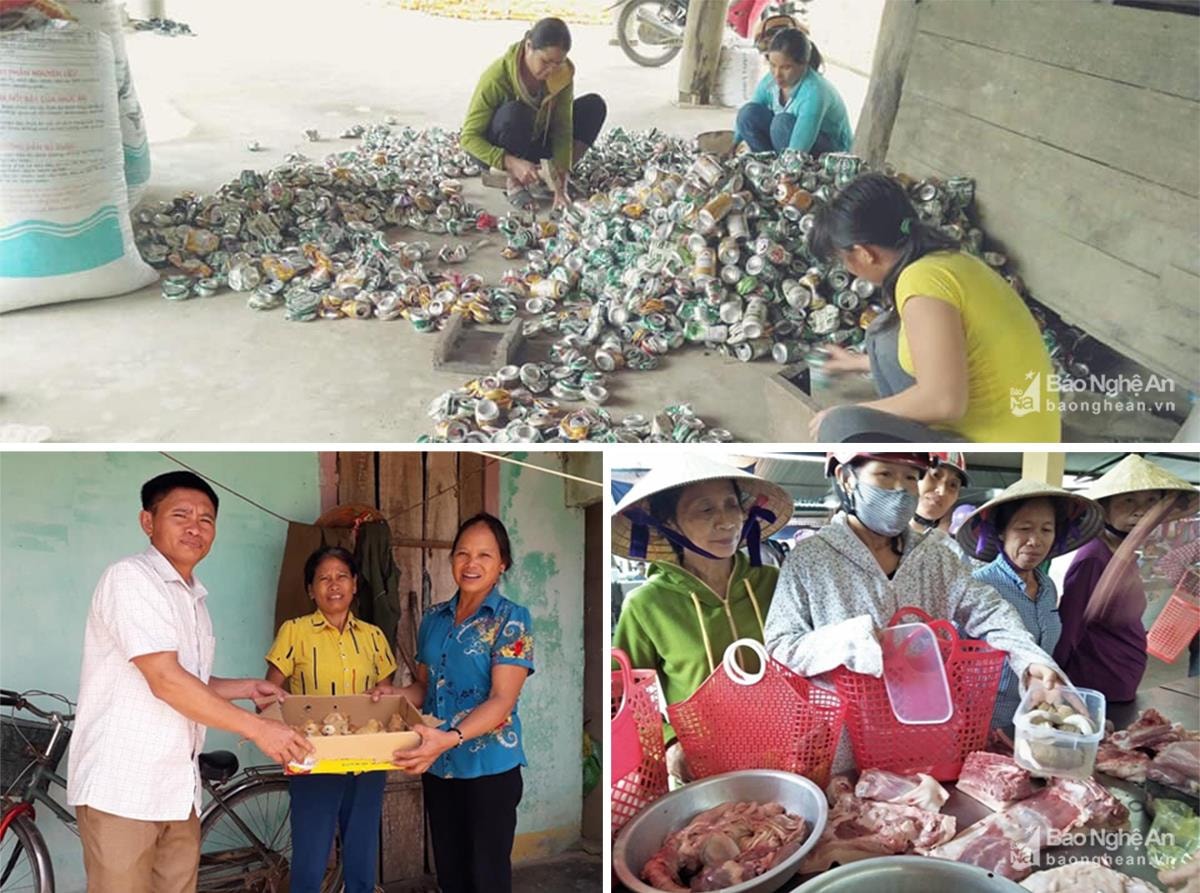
<point>1045,467</point>
<point>147,9</point>
<point>897,29</point>
<point>701,52</point>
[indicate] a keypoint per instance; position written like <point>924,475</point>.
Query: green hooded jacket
<point>500,83</point>
<point>665,621</point>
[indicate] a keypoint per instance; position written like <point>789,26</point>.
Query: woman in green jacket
<point>524,110</point>
<point>690,518</point>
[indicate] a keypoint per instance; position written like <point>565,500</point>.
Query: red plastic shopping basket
<point>880,741</point>
<point>1178,622</point>
<point>639,760</point>
<point>771,719</point>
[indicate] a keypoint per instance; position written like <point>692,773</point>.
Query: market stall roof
<point>802,474</point>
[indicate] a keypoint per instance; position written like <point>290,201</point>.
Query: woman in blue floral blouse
<point>473,655</point>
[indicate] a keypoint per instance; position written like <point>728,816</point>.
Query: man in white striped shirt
<point>146,695</point>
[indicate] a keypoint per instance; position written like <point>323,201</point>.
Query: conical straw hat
<point>1085,519</point>
<point>693,468</point>
<point>1133,474</point>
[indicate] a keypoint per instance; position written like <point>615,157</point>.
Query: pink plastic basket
<point>1178,622</point>
<point>880,741</point>
<point>773,719</point>
<point>639,760</point>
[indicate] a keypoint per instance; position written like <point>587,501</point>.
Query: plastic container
<point>1046,751</point>
<point>881,741</point>
<point>915,675</point>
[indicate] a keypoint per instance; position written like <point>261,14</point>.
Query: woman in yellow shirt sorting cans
<point>978,367</point>
<point>332,652</point>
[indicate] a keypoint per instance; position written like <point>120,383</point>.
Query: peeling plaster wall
<point>547,577</point>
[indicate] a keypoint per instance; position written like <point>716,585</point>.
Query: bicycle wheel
<point>229,862</point>
<point>24,861</point>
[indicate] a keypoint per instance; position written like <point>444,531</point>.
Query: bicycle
<point>245,833</point>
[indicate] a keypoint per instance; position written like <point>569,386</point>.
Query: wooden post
<point>1045,467</point>
<point>897,29</point>
<point>701,51</point>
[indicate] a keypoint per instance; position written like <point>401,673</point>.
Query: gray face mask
<point>886,512</point>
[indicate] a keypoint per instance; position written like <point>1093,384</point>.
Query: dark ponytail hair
<point>549,33</point>
<point>798,47</point>
<point>874,209</point>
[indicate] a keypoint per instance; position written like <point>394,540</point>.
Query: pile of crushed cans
<point>310,237</point>
<point>673,247</point>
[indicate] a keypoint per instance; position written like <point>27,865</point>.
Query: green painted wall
<point>547,577</point>
<point>65,516</point>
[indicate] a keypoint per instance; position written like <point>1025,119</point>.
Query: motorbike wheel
<point>631,34</point>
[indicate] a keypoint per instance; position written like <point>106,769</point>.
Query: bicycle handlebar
<point>14,699</point>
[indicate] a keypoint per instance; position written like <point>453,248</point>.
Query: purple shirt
<point>1109,656</point>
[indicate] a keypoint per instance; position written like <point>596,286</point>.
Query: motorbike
<point>650,32</point>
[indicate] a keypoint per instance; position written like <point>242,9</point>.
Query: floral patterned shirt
<point>460,658</point>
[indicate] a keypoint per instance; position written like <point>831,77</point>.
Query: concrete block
<point>475,350</point>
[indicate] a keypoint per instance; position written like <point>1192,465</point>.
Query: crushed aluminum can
<point>787,353</point>
<point>176,288</point>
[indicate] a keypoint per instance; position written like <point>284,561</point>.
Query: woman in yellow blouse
<point>978,367</point>
<point>332,652</point>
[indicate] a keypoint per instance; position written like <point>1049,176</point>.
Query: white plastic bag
<point>105,15</point>
<point>738,73</point>
<point>65,231</point>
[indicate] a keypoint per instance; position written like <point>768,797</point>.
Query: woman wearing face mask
<point>474,653</point>
<point>794,106</point>
<point>967,361</point>
<point>1107,650</point>
<point>839,587</point>
<point>690,518</point>
<point>1015,532</point>
<point>524,110</point>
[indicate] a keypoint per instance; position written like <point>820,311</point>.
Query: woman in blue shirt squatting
<point>794,107</point>
<point>473,655</point>
<point>1016,532</point>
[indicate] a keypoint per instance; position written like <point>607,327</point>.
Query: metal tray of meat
<point>907,874</point>
<point>643,836</point>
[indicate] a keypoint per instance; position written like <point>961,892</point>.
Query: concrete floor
<point>573,872</point>
<point>138,368</point>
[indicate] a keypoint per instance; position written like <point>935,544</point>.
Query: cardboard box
<point>342,754</point>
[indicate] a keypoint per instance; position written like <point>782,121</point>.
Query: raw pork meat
<point>1002,843</point>
<point>858,828</point>
<point>921,791</point>
<point>994,779</point>
<point>1090,876</point>
<point>1119,763</point>
<point>1151,730</point>
<point>1177,765</point>
<point>725,845</point>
